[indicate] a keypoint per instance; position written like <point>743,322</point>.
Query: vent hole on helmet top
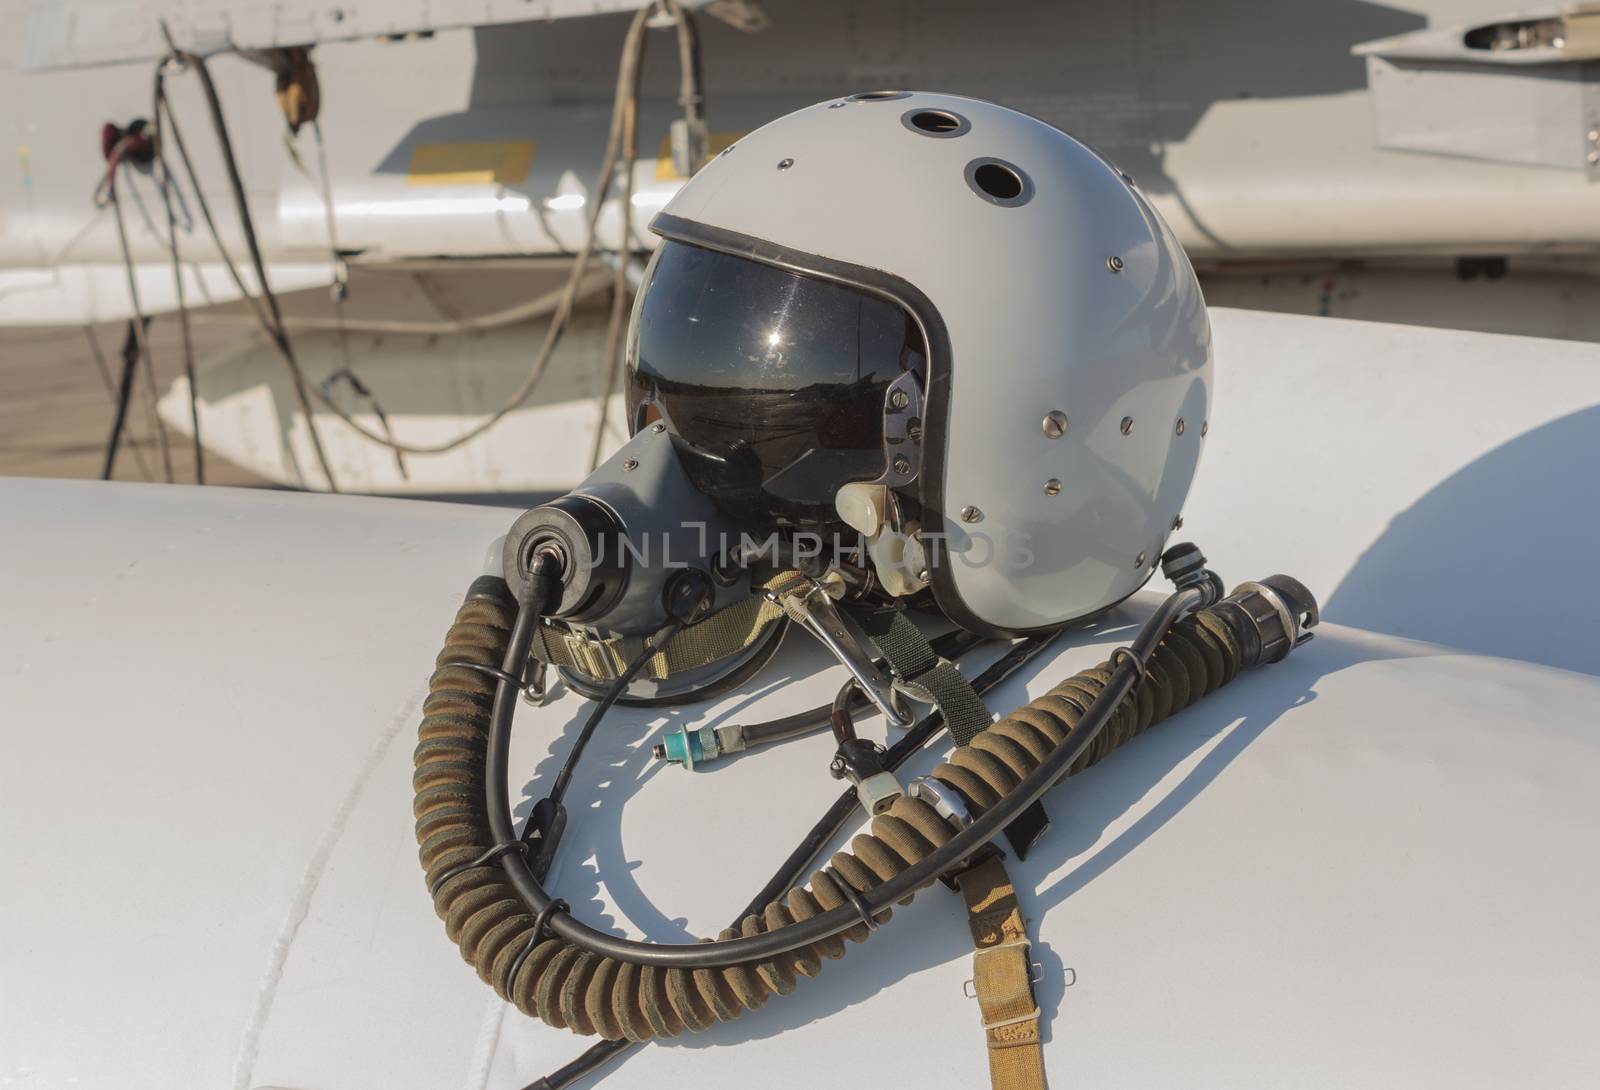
<point>878,96</point>
<point>999,182</point>
<point>935,123</point>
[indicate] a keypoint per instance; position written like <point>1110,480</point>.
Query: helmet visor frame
<point>778,385</point>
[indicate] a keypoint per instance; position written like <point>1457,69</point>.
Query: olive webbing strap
<point>1002,978</point>
<point>1001,970</point>
<point>723,633</point>
<point>923,673</point>
<point>926,675</point>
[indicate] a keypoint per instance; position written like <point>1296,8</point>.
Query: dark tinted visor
<point>773,382</point>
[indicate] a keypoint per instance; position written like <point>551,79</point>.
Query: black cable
<point>140,321</point>
<point>130,363</point>
<point>548,821</point>
<point>843,809</point>
<point>164,172</point>
<point>593,1058</point>
<point>839,717</point>
<point>652,645</point>
<point>118,405</point>
<point>763,946</point>
<point>819,837</point>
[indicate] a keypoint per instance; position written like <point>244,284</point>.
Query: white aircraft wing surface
<point>1369,865</point>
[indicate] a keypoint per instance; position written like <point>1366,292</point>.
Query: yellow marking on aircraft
<point>471,162</point>
<point>715,143</point>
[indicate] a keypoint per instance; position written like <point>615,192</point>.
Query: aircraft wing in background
<point>85,33</point>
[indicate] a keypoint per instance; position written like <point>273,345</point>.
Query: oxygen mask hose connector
<point>1271,617</point>
<point>859,760</point>
<point>1184,565</point>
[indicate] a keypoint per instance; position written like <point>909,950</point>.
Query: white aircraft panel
<point>1359,867</point>
<point>1428,483</point>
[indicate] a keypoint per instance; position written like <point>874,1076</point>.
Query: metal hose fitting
<point>566,987</point>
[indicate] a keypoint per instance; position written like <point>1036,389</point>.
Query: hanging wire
<point>164,182</point>
<point>691,100</point>
<point>341,292</point>
<point>124,394</point>
<point>273,327</point>
<point>108,192</point>
<point>625,104</point>
<point>110,384</point>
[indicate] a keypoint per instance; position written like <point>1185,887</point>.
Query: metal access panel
<point>1523,90</point>
<point>1540,116</point>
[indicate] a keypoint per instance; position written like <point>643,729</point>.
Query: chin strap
<point>721,635</point>
<point>924,673</point>
<point>1002,977</point>
<point>929,677</point>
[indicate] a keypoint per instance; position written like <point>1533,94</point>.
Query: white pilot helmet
<point>949,324</point>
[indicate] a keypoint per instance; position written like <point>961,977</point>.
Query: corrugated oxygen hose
<point>590,994</point>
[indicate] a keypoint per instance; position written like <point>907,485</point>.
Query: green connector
<point>689,747</point>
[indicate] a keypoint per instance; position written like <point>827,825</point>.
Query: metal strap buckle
<point>1035,974</point>
<point>943,798</point>
<point>1035,970</point>
<point>1001,1023</point>
<point>587,656</point>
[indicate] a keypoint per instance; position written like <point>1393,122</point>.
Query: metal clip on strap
<point>1002,978</point>
<point>807,604</point>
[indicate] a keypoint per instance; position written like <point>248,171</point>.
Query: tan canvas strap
<point>1002,978</point>
<point>724,633</point>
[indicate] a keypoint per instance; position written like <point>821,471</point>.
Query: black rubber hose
<point>820,836</point>
<point>844,807</point>
<point>764,946</point>
<point>1076,724</point>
